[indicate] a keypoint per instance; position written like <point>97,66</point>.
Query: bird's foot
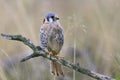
<point>59,56</point>
<point>50,53</point>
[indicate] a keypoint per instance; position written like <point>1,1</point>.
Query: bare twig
<point>38,51</point>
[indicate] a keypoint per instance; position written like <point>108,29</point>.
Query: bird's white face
<point>51,20</point>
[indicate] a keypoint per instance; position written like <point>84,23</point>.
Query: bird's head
<point>51,17</point>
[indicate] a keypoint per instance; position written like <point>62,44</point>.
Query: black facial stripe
<point>52,17</point>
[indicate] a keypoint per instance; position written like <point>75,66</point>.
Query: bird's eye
<point>52,16</point>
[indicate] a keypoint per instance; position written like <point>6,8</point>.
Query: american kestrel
<point>52,39</point>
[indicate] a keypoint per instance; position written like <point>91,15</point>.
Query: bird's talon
<point>50,53</point>
<point>59,56</point>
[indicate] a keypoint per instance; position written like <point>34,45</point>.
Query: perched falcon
<point>52,39</point>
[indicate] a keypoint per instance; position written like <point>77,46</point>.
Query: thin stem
<point>74,58</point>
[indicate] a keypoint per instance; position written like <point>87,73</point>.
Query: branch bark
<point>38,51</point>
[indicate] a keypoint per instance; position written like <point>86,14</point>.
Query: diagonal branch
<point>37,51</point>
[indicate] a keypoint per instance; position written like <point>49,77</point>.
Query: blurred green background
<point>91,29</point>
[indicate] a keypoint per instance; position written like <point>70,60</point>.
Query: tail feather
<point>53,67</point>
<point>56,68</point>
<point>60,69</point>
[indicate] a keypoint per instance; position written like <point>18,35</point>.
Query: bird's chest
<point>55,39</point>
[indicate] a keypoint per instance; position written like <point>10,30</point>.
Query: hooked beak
<point>56,18</point>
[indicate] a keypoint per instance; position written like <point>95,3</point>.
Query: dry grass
<point>93,24</point>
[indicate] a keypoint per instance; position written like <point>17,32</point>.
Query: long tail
<point>56,68</point>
